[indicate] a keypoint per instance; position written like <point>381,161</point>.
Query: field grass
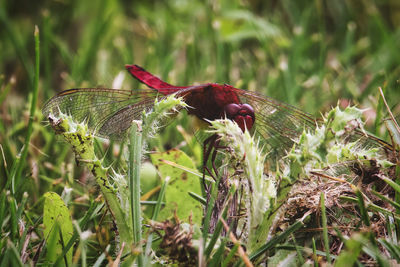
<point>310,54</point>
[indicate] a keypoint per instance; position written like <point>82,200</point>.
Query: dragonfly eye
<point>248,108</point>
<point>242,114</point>
<point>232,110</point>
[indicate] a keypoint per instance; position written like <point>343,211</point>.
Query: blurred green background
<point>307,53</point>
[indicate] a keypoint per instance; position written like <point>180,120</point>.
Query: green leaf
<point>283,258</point>
<point>353,248</point>
<point>180,184</point>
<point>338,119</point>
<point>58,228</point>
<point>148,177</point>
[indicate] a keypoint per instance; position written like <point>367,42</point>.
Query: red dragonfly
<point>110,112</point>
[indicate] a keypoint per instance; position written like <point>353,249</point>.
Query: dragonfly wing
<point>278,124</point>
<point>107,112</point>
<point>116,126</point>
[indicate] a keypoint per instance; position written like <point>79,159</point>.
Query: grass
<point>309,54</point>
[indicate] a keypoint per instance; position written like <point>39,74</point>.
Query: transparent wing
<point>108,112</point>
<point>279,125</point>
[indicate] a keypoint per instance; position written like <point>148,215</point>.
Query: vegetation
<point>333,199</point>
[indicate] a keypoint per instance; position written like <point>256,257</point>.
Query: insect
<point>110,112</point>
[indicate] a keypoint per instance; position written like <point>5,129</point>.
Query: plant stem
<point>135,156</point>
<point>325,228</point>
<point>154,217</point>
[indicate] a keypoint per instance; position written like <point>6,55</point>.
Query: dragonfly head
<point>242,114</point>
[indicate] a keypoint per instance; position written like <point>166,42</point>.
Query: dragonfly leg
<point>210,149</point>
<point>208,146</point>
<point>214,155</point>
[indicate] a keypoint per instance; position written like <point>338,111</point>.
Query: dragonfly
<point>110,112</point>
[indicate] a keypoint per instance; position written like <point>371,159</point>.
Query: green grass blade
<point>315,257</point>
<point>154,218</point>
<point>393,184</point>
<point>386,199</point>
<point>201,199</point>
<point>298,251</point>
<point>218,256</point>
<point>393,249</point>
<point>363,210</point>
<point>230,256</point>
<point>102,257</point>
<point>3,201</point>
<point>135,157</point>
<point>13,219</point>
<point>276,240</point>
<point>13,256</point>
<point>325,228</point>
<point>379,111</point>
<point>16,174</point>
<point>217,232</point>
<point>366,220</point>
